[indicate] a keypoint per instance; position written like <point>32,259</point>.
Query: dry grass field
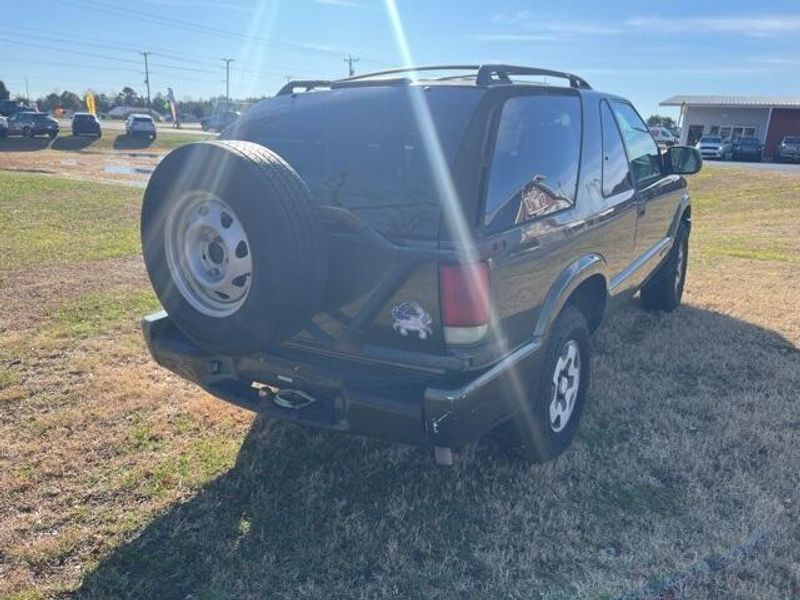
<point>118,480</point>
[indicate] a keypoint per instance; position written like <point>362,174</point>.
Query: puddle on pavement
<point>126,170</point>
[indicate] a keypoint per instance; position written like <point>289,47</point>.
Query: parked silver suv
<point>789,149</point>
<point>139,124</point>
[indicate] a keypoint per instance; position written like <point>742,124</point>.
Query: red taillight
<point>465,301</point>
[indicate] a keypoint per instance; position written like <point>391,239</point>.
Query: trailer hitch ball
<point>443,456</point>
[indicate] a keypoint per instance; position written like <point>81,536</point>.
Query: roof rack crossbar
<point>303,84</point>
<point>488,73</point>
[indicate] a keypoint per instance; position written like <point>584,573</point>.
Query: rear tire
<point>549,419</point>
<point>664,291</point>
<point>232,245</point>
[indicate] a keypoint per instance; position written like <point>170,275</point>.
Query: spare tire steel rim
<point>208,254</point>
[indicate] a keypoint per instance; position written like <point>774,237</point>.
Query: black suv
<point>86,124</point>
<point>421,260</point>
<point>10,107</point>
<point>749,148</point>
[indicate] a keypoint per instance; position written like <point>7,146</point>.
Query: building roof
<point>735,101</point>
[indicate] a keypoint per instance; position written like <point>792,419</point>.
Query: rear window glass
<point>792,140</point>
<point>142,120</point>
<point>364,149</point>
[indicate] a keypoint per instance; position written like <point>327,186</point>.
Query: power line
<point>124,48</point>
<point>205,29</point>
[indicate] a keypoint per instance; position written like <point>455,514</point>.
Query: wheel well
<point>590,298</point>
<point>686,217</point>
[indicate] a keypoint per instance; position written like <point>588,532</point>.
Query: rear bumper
<point>401,405</point>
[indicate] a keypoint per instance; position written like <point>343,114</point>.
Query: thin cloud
<point>722,70</point>
<point>518,37</point>
<point>320,47</point>
<point>535,23</point>
<point>758,26</point>
<point>526,22</point>
<point>345,4</point>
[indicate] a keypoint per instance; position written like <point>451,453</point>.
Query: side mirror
<point>683,160</point>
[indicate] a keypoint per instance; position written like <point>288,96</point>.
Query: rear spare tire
<point>232,245</point>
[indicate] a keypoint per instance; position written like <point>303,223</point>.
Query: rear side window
<point>642,149</point>
<point>536,159</point>
<point>616,171</point>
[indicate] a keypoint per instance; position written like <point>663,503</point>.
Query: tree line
<point>127,96</point>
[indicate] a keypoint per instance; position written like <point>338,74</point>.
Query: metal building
<point>769,118</point>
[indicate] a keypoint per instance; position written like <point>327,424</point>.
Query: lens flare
<point>454,217</point>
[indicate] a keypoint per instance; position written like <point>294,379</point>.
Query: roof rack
<point>488,74</point>
<point>484,75</point>
<point>304,84</point>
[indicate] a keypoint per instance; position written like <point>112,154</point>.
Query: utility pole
<point>147,81</point>
<point>350,60</point>
<point>27,93</point>
<point>228,62</point>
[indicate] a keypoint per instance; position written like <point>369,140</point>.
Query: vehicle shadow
<point>130,142</point>
<point>668,439</point>
<point>73,142</point>
<point>24,144</point>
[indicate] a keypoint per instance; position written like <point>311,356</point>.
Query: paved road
<point>761,166</point>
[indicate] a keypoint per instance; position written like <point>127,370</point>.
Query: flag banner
<point>173,105</point>
<point>90,106</point>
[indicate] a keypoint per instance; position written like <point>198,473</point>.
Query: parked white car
<point>663,137</point>
<point>139,124</point>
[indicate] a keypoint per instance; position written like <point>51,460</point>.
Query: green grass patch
<point>747,215</point>
<point>8,378</point>
<point>100,312</point>
<point>45,220</point>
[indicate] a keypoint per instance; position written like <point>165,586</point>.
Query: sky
<point>645,51</point>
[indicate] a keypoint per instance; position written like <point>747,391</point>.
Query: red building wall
<point>784,121</point>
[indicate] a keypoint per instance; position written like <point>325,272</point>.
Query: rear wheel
<point>664,291</point>
<point>549,419</point>
<point>232,245</point>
